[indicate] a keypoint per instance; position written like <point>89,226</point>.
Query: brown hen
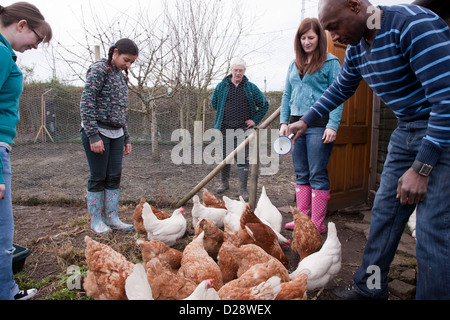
<point>211,201</point>
<point>167,285</point>
<point>295,289</point>
<point>260,282</point>
<point>197,265</point>
<point>306,239</point>
<point>107,272</point>
<point>253,231</point>
<point>170,258</point>
<point>226,260</point>
<point>248,255</point>
<point>213,237</point>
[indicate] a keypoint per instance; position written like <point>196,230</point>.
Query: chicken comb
<point>209,283</point>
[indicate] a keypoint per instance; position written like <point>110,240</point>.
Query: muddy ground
<point>53,179</point>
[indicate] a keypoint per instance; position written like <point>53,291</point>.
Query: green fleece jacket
<point>258,102</point>
<point>11,87</point>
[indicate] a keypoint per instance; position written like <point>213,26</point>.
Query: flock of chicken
<point>236,254</point>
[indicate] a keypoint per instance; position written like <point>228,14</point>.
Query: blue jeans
<point>310,158</point>
<point>106,168</point>
<point>8,287</point>
<point>389,219</point>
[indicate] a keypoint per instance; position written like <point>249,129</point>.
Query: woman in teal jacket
<point>22,27</point>
<point>309,76</point>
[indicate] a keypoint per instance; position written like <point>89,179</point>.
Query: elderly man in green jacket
<point>240,105</point>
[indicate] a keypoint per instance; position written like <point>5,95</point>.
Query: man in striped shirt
<point>403,53</point>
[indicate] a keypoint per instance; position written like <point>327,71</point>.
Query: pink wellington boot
<point>303,197</point>
<point>319,209</point>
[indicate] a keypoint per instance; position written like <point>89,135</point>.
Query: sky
<point>276,21</point>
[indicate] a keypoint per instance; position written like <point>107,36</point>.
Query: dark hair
<point>123,46</point>
<point>319,56</point>
<point>26,11</point>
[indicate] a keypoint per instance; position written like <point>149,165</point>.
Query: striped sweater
<point>408,67</point>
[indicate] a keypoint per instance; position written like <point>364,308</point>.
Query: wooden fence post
<point>228,159</point>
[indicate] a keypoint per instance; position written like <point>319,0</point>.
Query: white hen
<point>323,265</point>
<point>167,230</point>
<point>137,286</point>
<point>232,220</point>
<point>200,212</point>
<point>267,211</point>
<point>204,291</point>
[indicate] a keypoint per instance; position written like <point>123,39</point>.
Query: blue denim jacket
<point>300,95</point>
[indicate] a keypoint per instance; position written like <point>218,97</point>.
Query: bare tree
<point>149,79</point>
<point>205,35</point>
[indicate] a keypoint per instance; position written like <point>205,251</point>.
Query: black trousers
<point>106,168</point>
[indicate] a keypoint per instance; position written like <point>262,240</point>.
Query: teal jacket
<point>300,95</point>
<point>11,87</point>
<point>258,102</point>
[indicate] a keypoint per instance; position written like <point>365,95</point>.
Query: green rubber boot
<point>243,178</point>
<point>225,175</point>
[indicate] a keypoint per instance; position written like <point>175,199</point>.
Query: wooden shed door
<point>349,167</point>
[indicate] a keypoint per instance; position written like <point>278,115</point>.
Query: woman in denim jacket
<point>309,76</point>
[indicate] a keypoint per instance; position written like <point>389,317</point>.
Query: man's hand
<point>298,128</point>
<point>412,187</point>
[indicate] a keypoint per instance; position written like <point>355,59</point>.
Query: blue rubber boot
<point>112,212</point>
<point>95,202</point>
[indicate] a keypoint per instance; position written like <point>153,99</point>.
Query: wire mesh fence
<point>185,51</point>
<point>49,163</point>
